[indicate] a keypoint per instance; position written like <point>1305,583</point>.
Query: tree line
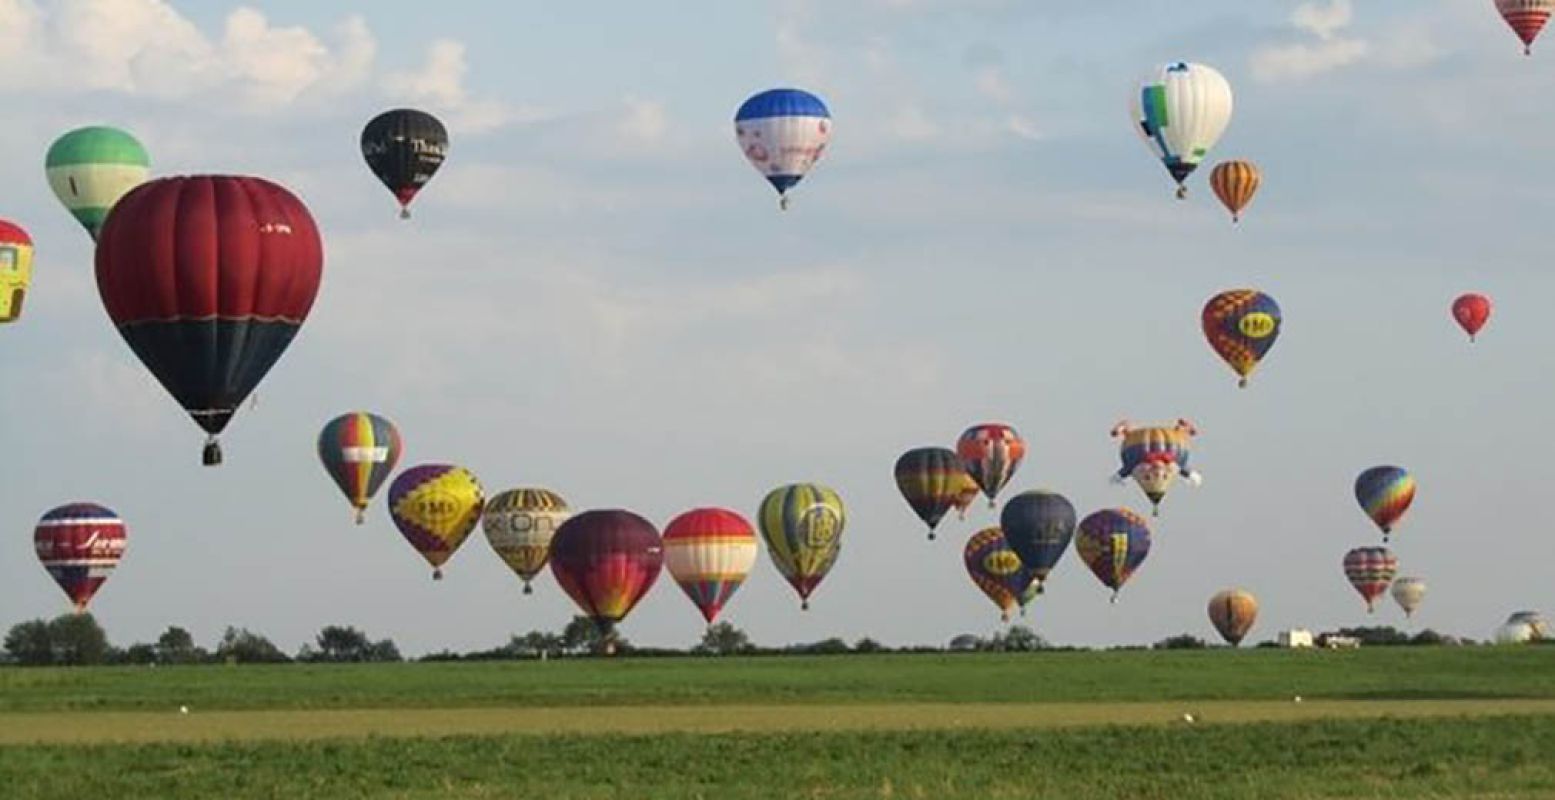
<point>78,640</point>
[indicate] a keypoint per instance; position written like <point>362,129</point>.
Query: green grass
<point>1375,673</point>
<point>1493,757</point>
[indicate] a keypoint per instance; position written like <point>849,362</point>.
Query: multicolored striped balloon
<point>359,450</point>
<point>1038,526</point>
<point>1235,183</point>
<point>1526,18</point>
<point>931,479</point>
<point>1233,612</point>
<point>997,570</point>
<point>519,525</point>
<point>1241,326</point>
<point>802,524</point>
<point>1370,570</point>
<point>80,544</point>
<point>1385,494</point>
<point>990,453</point>
<point>709,553</point>
<point>1113,543</point>
<point>435,506</point>
<point>606,560</point>
<point>1154,456</point>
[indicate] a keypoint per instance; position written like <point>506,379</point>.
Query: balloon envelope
<point>802,524</point>
<point>15,269</point>
<point>1180,110</point>
<point>1471,311</point>
<point>1526,18</point>
<point>1370,570</point>
<point>435,506</point>
<point>1385,493</point>
<point>208,279</point>
<point>359,450</point>
<point>404,148</point>
<point>1235,183</point>
<point>1233,612</point>
<point>709,553</point>
<point>90,169</point>
<point>931,480</point>
<point>1155,455</point>
<point>1409,593</point>
<point>1038,525</point>
<point>1241,326</point>
<point>519,526</point>
<point>997,570</point>
<point>606,561</point>
<point>80,544</point>
<point>1113,543</point>
<point>990,453</point>
<point>782,133</point>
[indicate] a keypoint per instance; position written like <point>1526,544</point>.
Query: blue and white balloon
<point>1181,110</point>
<point>783,132</point>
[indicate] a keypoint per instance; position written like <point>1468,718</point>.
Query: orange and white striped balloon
<point>709,552</point>
<point>1235,183</point>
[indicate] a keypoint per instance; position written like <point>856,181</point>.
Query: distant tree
<point>338,644</point>
<point>868,645</point>
<point>30,643</point>
<point>384,651</point>
<point>176,646</point>
<point>1430,637</point>
<point>78,640</point>
<point>246,647</point>
<point>723,639</point>
<point>825,647</point>
<point>581,636</point>
<point>442,655</point>
<point>1021,639</point>
<point>1182,641</point>
<point>1381,636</point>
<point>141,654</point>
<point>535,643</point>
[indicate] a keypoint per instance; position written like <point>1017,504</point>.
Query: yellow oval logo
<point>1256,325</point>
<point>1001,562</point>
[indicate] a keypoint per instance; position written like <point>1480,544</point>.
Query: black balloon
<point>404,148</point>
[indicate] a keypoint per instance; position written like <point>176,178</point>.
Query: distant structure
<point>966,642</point>
<point>1334,641</point>
<point>1535,621</point>
<point>1295,637</point>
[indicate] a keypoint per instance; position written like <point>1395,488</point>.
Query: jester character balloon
<point>208,278</point>
<point>435,506</point>
<point>89,169</point>
<point>1113,543</point>
<point>997,570</point>
<point>1526,18</point>
<point>1370,570</point>
<point>966,493</point>
<point>1181,110</point>
<point>404,148</point>
<point>80,544</point>
<point>782,133</point>
<point>931,479</point>
<point>709,553</point>
<point>1233,612</point>
<point>359,450</point>
<point>802,524</point>
<point>1235,183</point>
<point>1471,311</point>
<point>519,524</point>
<point>1409,593</point>
<point>991,453</point>
<point>1038,526</point>
<point>606,561</point>
<point>1385,494</point>
<point>1154,456</point>
<point>1241,325</point>
<point>15,269</point>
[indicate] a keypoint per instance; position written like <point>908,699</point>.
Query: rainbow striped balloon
<point>1385,494</point>
<point>709,552</point>
<point>359,450</point>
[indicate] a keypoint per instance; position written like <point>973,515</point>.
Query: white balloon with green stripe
<point>89,169</point>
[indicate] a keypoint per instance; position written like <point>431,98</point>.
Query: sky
<point>597,295</point>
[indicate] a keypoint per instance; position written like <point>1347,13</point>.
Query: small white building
<point>1295,637</point>
<point>1336,642</point>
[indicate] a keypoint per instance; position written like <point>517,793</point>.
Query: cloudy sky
<point>598,295</point>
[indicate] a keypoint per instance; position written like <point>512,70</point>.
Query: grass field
<point>1415,722</point>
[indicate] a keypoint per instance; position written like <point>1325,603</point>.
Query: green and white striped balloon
<point>89,169</point>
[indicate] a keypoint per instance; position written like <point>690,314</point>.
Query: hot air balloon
<point>783,132</point>
<point>1385,494</point>
<point>966,492</point>
<point>208,278</point>
<point>802,524</point>
<point>1181,110</point>
<point>519,525</point>
<point>89,169</point>
<point>991,453</point>
<point>930,478</point>
<point>404,147</point>
<point>1370,570</point>
<point>997,570</point>
<point>1038,526</point>
<point>1526,18</point>
<point>1471,311</point>
<point>1235,183</point>
<point>709,552</point>
<point>435,506</point>
<point>1241,325</point>
<point>1113,543</point>
<point>15,269</point>
<point>359,450</point>
<point>1233,612</point>
<point>1409,593</point>
<point>606,560</point>
<point>1154,456</point>
<point>80,544</point>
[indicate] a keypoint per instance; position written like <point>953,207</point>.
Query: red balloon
<point>606,561</point>
<point>1471,311</point>
<point>79,544</point>
<point>209,278</point>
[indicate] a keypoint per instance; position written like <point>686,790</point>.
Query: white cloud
<point>439,83</point>
<point>1323,21</point>
<point>645,121</point>
<point>1301,60</point>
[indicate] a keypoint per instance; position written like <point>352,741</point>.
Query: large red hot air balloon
<point>208,278</point>
<point>606,560</point>
<point>1471,311</point>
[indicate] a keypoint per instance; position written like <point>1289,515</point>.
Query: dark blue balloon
<point>1038,526</point>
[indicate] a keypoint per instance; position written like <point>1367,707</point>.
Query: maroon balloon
<point>606,560</point>
<point>209,278</point>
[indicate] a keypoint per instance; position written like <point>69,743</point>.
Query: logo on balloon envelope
<point>1256,325</point>
<point>1001,563</point>
<point>820,523</point>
